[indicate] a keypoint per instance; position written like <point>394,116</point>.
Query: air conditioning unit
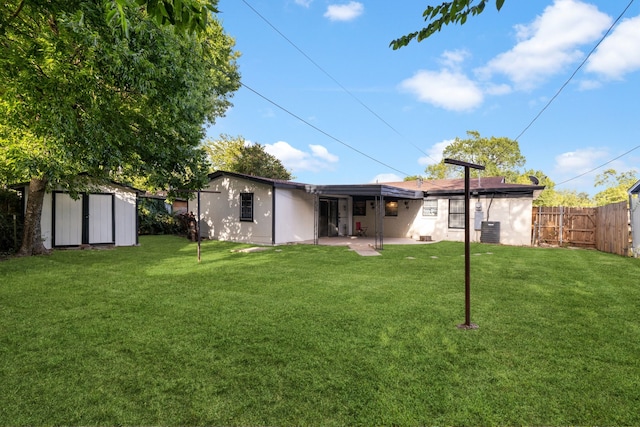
<point>490,232</point>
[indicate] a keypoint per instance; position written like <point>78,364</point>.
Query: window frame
<point>389,209</point>
<point>246,198</point>
<point>432,209</point>
<point>456,214</point>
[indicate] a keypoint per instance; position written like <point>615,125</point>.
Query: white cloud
<point>452,59</point>
<point>435,153</point>
<point>618,54</point>
<point>447,89</point>
<point>344,12</point>
<point>321,152</point>
<point>304,3</point>
<point>549,44</point>
<point>580,160</point>
<point>297,160</point>
<point>386,177</point>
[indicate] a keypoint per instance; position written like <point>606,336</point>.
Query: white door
<point>67,220</point>
<point>100,218</point>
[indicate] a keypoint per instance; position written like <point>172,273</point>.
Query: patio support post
<point>467,258</point>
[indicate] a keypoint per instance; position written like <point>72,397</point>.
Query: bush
<point>155,219</point>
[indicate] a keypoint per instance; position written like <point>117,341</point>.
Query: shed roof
<point>635,188</point>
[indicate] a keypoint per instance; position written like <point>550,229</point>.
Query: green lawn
<point>305,335</point>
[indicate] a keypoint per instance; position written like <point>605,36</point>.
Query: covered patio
<point>361,195</point>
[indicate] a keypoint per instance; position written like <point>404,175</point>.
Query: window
<point>456,213</point>
<point>359,208</point>
<point>430,208</point>
<point>246,206</point>
<point>391,209</point>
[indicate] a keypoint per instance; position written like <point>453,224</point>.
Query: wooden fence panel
<point>613,232</point>
<point>564,226</point>
<point>605,228</point>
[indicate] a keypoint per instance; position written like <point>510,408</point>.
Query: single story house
<point>634,213</point>
<point>105,215</point>
<point>251,209</point>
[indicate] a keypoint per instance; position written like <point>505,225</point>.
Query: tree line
<point>501,156</point>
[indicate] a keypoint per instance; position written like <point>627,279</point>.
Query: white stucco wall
<point>514,215</point>
<point>294,216</point>
<point>220,213</point>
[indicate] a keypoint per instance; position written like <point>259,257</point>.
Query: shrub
<point>155,219</point>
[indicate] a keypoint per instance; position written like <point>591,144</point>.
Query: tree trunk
<point>32,235</point>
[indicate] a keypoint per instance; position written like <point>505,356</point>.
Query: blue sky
<point>364,112</point>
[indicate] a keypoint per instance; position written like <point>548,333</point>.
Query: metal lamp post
<point>467,258</point>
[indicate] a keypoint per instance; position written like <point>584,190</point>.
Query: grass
<point>304,335</point>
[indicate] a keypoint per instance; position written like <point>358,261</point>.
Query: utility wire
<point>322,131</point>
<point>335,80</point>
<point>598,167</point>
<point>576,70</point>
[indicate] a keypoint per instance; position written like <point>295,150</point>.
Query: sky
<point>324,93</point>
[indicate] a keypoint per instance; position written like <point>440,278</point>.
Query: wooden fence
<point>605,228</point>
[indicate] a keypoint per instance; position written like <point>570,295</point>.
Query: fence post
<point>560,234</point>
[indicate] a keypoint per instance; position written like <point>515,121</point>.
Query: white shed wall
<point>126,220</point>
<point>635,224</point>
<point>126,212</point>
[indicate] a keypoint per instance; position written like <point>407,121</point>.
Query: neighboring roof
<point>635,188</point>
<point>279,183</point>
<point>487,185</point>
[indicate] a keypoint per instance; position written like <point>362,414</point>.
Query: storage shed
<point>105,215</point>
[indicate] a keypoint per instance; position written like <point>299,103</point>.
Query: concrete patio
<point>365,246</point>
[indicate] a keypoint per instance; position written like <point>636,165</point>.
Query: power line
<point>322,131</point>
<point>576,70</point>
<point>335,80</point>
<point>598,167</point>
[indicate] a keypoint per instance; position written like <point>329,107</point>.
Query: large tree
<point>499,155</point>
<point>617,185</point>
<point>448,12</point>
<point>78,95</point>
<point>235,154</point>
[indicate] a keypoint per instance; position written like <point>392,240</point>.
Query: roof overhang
<point>500,192</point>
<point>365,190</point>
<point>635,188</point>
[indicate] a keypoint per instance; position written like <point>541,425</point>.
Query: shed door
<point>100,219</point>
<point>67,220</point>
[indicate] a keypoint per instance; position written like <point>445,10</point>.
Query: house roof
<point>279,183</point>
<point>635,188</point>
<point>403,190</point>
<point>494,185</point>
